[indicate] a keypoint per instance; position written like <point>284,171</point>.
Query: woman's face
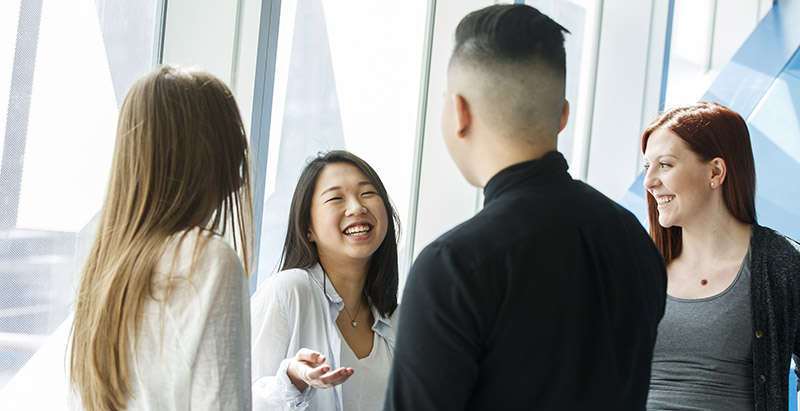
<point>678,180</point>
<point>348,217</point>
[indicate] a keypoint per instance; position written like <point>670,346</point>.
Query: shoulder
<point>200,247</point>
<point>292,284</point>
<point>201,258</point>
<point>775,257</point>
<point>778,246</point>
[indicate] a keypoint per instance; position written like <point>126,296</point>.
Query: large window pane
<point>347,77</point>
<point>705,35</point>
<point>581,18</point>
<point>64,68</point>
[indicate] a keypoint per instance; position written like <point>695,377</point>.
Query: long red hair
<point>710,130</point>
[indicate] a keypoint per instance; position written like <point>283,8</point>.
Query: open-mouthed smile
<point>358,230</point>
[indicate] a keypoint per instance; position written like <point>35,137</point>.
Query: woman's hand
<point>308,368</point>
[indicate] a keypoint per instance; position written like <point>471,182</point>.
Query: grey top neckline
<point>721,293</point>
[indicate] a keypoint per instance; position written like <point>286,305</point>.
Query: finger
<point>316,373</point>
<point>336,377</point>
<point>309,355</point>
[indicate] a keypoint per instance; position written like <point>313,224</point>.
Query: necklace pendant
<point>354,323</point>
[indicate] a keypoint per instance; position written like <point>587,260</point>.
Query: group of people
<point>552,297</point>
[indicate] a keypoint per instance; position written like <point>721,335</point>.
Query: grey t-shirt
<point>703,357</point>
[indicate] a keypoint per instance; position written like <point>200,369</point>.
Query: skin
<point>479,146</point>
<point>344,199</point>
<point>688,190</point>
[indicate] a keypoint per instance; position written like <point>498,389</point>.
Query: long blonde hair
<point>181,161</point>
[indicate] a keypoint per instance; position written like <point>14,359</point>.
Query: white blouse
<point>193,351</point>
<point>290,311</point>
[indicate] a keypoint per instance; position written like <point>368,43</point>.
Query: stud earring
<point>712,184</point>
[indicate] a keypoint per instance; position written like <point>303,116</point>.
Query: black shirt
<point>548,299</point>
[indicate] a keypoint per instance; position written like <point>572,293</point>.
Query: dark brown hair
<point>710,130</point>
<point>298,252</point>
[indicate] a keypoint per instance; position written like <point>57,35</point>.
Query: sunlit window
<point>64,68</point>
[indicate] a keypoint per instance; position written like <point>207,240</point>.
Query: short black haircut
<point>506,33</point>
<point>299,252</point>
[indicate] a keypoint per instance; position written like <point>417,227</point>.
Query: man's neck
<point>501,156</point>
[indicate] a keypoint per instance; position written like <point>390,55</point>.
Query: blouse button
<point>759,334</point>
<point>762,378</point>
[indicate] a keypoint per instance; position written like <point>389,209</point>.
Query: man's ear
<point>463,115</point>
<point>564,116</point>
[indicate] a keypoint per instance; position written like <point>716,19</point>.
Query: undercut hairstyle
<point>710,130</point>
<point>299,252</point>
<point>518,56</point>
<point>510,33</point>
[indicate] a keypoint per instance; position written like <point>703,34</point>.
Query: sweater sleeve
<point>271,333</point>
<point>435,363</point>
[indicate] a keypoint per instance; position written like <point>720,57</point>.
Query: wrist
<point>295,379</point>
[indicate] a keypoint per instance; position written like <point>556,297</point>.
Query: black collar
<point>551,166</point>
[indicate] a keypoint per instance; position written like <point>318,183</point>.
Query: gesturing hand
<point>308,368</point>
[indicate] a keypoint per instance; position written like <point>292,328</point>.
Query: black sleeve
<point>438,338</point>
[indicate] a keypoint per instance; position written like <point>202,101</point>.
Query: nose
<point>650,179</point>
<point>354,207</point>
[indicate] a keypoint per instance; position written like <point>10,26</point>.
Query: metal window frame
<point>262,117</point>
<point>419,143</point>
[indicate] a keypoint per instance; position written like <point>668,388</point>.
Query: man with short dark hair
<point>549,298</point>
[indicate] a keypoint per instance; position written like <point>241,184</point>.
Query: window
<point>64,69</point>
<point>346,77</point>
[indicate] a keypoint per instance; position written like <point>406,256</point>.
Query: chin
<point>663,222</point>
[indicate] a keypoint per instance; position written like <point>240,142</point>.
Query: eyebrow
<point>362,183</point>
<point>664,155</point>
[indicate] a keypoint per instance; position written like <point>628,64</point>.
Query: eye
<point>333,199</point>
<point>368,193</point>
<point>664,165</point>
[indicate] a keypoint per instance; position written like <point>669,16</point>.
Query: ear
<point>463,115</point>
<point>310,236</point>
<point>719,171</point>
<point>564,116</point>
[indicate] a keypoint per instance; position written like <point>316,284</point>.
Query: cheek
<point>379,211</point>
<point>320,222</point>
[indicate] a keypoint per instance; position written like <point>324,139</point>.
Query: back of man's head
<point>511,59</point>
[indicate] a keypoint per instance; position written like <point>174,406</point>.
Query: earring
<point>712,184</point>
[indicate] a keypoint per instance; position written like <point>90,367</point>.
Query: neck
<point>714,239</point>
<point>347,279</point>
<point>504,152</point>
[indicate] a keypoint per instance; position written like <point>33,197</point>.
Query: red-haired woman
<point>733,306</point>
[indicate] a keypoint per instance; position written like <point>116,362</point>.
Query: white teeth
<point>360,229</point>
<point>664,200</point>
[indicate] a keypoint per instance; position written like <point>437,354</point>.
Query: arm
<point>281,380</point>
<point>438,339</point>
<point>221,369</point>
<point>271,387</point>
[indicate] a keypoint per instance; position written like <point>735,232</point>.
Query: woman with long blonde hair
<point>162,309</point>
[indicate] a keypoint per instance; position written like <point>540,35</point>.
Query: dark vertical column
<point>19,106</point>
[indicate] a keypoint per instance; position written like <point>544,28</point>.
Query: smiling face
<point>678,180</point>
<point>348,217</point>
